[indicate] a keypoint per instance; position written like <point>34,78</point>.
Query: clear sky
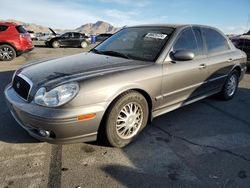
<point>231,16</point>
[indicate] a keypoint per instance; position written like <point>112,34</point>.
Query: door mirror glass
<point>182,55</point>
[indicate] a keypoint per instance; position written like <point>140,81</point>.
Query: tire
<point>120,128</point>
<point>84,44</point>
<point>55,44</point>
<point>230,86</point>
<point>7,53</point>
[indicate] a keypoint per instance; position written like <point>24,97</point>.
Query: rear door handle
<point>202,66</point>
<point>230,60</point>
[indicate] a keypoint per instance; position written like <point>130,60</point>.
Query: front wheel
<point>230,87</point>
<point>7,53</point>
<point>126,117</point>
<point>55,44</point>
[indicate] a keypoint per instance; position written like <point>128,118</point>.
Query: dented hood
<point>76,67</point>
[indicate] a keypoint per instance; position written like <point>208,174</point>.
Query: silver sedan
<point>112,92</point>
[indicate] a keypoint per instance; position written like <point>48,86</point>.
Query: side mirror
<point>182,55</point>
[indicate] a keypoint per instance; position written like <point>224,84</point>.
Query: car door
<point>76,39</point>
<point>220,57</point>
<point>185,80</point>
<point>65,39</point>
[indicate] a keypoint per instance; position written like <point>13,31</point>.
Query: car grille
<point>22,86</point>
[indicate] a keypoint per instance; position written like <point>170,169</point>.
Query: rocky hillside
<point>30,26</point>
<point>98,27</point>
<point>90,28</point>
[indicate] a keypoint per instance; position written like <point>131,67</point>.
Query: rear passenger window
<point>3,28</point>
<point>187,41</point>
<point>20,29</point>
<point>77,35</point>
<point>215,41</point>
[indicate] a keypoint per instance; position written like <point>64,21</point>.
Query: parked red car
<point>14,40</point>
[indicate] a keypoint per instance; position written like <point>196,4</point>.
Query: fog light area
<point>44,133</point>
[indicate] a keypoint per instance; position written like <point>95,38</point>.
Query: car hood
<point>76,67</point>
<point>54,33</point>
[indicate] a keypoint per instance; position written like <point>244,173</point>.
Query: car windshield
<point>140,43</point>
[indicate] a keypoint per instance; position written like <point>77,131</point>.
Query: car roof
<point>8,23</point>
<point>175,26</point>
<point>72,32</point>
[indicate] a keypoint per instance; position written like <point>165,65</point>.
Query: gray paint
<point>102,78</point>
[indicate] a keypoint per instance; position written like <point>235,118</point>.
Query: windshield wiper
<point>114,53</point>
<point>96,51</point>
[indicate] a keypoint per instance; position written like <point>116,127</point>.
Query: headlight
<point>57,96</point>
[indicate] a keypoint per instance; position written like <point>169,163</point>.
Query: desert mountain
<point>30,26</point>
<point>98,27</point>
<point>90,28</point>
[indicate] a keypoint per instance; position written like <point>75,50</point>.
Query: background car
<point>242,42</point>
<point>103,36</point>
<point>14,40</point>
<point>45,36</point>
<point>244,45</point>
<point>68,39</point>
<point>33,35</point>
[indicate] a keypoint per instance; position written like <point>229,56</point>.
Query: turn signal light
<point>84,117</point>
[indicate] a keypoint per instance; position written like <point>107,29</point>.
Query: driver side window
<point>67,35</point>
<point>187,41</point>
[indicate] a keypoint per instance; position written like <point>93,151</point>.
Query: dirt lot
<point>206,144</point>
<point>40,52</point>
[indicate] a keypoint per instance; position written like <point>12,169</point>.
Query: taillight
<point>25,36</point>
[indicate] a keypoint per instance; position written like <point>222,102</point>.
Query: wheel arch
<point>145,94</point>
<point>238,69</point>
<point>149,101</point>
<point>53,40</point>
<point>6,43</point>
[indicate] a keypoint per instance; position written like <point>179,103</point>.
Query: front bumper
<point>47,43</point>
<point>62,123</point>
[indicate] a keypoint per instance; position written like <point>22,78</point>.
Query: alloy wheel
<point>129,120</point>
<point>231,85</point>
<point>6,53</point>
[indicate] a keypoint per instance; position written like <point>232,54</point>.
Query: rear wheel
<point>84,44</point>
<point>7,53</point>
<point>55,44</point>
<point>230,87</point>
<point>126,118</point>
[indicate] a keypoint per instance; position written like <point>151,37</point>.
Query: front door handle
<point>230,60</point>
<point>202,66</point>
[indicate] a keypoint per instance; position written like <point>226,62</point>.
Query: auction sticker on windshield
<point>156,35</point>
